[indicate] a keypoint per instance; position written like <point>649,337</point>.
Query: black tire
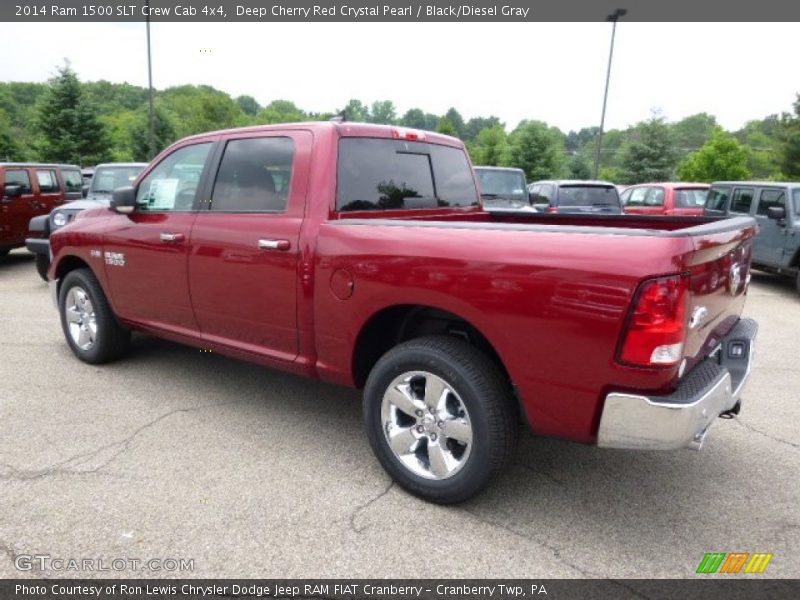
<point>111,340</point>
<point>4,251</point>
<point>42,264</point>
<point>482,390</point>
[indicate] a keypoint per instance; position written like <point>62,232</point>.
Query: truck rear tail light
<point>552,209</point>
<point>401,133</point>
<point>656,327</point>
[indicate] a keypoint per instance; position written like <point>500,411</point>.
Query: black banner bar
<point>393,10</point>
<point>707,588</point>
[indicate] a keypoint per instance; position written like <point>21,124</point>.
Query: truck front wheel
<point>440,418</point>
<point>89,324</point>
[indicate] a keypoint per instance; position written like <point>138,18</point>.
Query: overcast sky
<point>549,71</point>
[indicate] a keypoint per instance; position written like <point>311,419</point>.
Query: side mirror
<point>11,191</point>
<point>776,213</point>
<point>123,200</point>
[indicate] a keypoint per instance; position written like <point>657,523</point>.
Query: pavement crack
<point>766,435</point>
<point>544,474</point>
<point>556,551</point>
<point>363,507</point>
<point>69,465</point>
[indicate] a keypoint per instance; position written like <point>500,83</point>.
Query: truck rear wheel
<point>89,324</point>
<point>42,264</point>
<point>440,418</point>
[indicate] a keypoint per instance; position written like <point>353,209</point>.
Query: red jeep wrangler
<point>359,254</point>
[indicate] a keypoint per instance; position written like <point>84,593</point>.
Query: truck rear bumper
<point>682,419</point>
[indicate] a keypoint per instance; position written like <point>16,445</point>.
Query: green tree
<point>357,111</point>
<point>537,149</point>
<point>475,125</point>
<point>68,123</point>
<point>490,147</point>
<point>578,167</point>
<point>457,121</point>
<point>280,111</point>
<point>383,112</point>
<point>446,127</point>
<point>790,143</point>
<point>693,132</point>
<point>248,105</point>
<point>650,154</point>
<point>722,157</point>
<point>9,150</point>
<point>139,133</point>
<point>415,118</point>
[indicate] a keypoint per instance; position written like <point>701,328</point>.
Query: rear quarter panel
<point>551,304</point>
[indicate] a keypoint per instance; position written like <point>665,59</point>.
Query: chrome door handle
<point>282,245</point>
<point>172,237</point>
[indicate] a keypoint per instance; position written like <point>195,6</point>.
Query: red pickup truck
<point>360,255</point>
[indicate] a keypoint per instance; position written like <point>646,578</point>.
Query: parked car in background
<point>31,189</point>
<point>683,199</point>
<point>503,187</point>
<point>359,254</point>
<point>106,178</point>
<point>776,206</point>
<point>87,175</point>
<point>575,196</point>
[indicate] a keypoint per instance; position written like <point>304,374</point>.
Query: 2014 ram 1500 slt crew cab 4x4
<point>359,254</point>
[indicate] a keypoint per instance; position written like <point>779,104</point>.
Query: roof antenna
<point>340,118</point>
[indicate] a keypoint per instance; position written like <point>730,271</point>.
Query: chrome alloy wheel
<point>426,425</point>
<point>80,316</point>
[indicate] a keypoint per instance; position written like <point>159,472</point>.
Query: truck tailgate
<point>719,271</point>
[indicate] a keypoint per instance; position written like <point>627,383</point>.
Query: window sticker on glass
<point>162,194</point>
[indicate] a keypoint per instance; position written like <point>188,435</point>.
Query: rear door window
<point>717,198</point>
<point>655,197</point>
<point>771,198</point>
<point>73,180</point>
<point>637,196</point>
<point>254,175</point>
<point>382,174</point>
<point>19,177</point>
<point>796,201</point>
<point>48,183</point>
<point>742,200</point>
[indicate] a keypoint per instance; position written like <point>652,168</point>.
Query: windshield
<point>107,179</point>
<point>588,195</point>
<point>691,198</point>
<point>498,183</point>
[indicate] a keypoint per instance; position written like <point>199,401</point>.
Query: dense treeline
<point>89,122</point>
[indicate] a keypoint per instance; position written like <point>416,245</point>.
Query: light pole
<point>151,123</point>
<point>613,18</point>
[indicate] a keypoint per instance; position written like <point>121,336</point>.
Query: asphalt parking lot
<point>174,453</point>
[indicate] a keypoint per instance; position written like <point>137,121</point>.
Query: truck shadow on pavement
<point>554,490</point>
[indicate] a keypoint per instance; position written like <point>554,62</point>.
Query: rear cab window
<point>384,174</point>
<point>588,195</point>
